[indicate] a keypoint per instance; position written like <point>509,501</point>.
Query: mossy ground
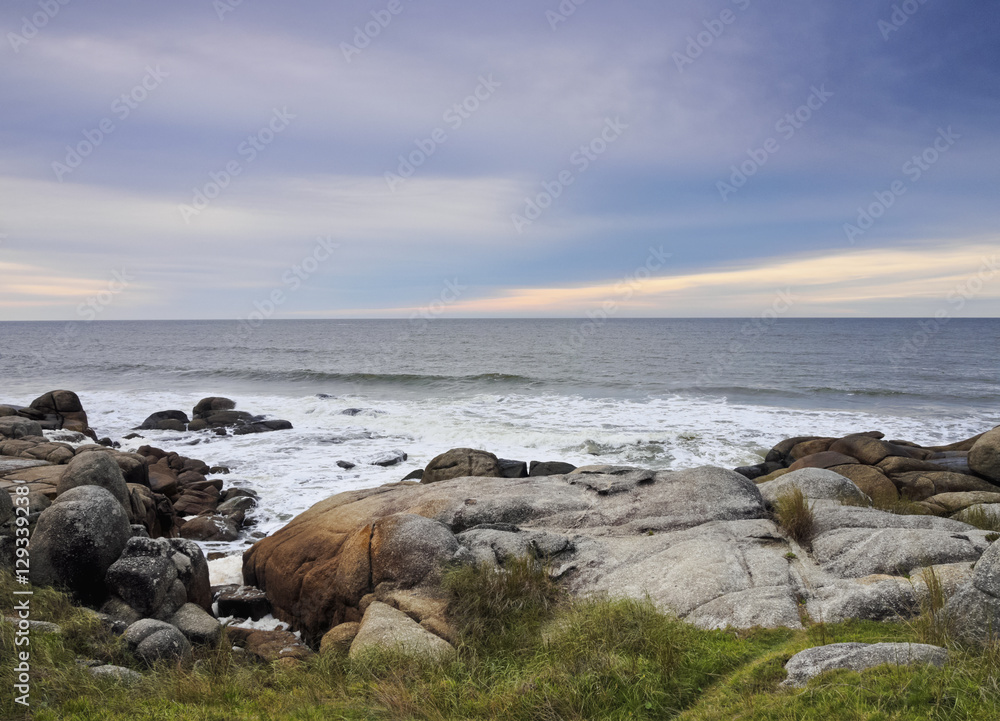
<point>527,652</point>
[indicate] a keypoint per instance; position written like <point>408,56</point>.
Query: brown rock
<point>869,450</point>
<point>210,528</point>
<point>808,448</point>
<point>943,482</point>
<point>900,464</point>
<point>875,484</point>
<point>772,476</point>
<point>954,502</point>
<point>825,459</point>
<point>64,408</point>
<point>984,457</point>
<point>194,503</point>
<point>459,463</point>
<point>779,454</point>
<point>339,638</point>
<point>271,646</point>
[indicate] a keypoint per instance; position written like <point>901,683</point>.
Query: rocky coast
<point>890,524</point>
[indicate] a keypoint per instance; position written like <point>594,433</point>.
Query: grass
<point>526,651</point>
<point>977,516</point>
<point>795,516</point>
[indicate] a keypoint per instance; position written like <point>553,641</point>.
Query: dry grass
<point>795,515</point>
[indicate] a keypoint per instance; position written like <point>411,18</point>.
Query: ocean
<point>654,393</point>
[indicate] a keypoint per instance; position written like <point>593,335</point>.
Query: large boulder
<point>95,469</point>
<point>974,610</point>
<point>77,539</point>
<point>214,403</point>
<point>810,663</point>
<point>984,458</point>
<point>62,409</point>
<point>318,568</point>
<point>459,463</point>
<point>815,484</point>
<point>156,577</point>
<point>166,421</point>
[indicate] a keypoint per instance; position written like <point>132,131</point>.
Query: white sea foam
<point>292,470</point>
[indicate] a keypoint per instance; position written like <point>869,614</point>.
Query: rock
<point>151,641</point>
<point>346,465</point>
<point>826,459</point>
<point>339,638</point>
<point>808,448</point>
<point>119,674</point>
<point>870,450</point>
<point>414,475</point>
<point>215,403</point>
<point>62,409</point>
<point>143,576</point>
<point>900,464</point>
<point>512,469</point>
<point>244,602</point>
<point>815,484</point>
<point>16,427</point>
<point>385,628</point>
<point>77,539</point>
<point>872,482</point>
<point>195,503</point>
<point>984,457</point>
<point>166,421</point>
<point>6,509</point>
<point>857,552</point>
<point>459,463</point>
<point>192,571</point>
<point>237,504</point>
<point>954,502</point>
<point>550,468</point>
<point>262,427</point>
<point>163,480</point>
<point>210,528</point>
<point>758,471</point>
<point>95,469</point>
<point>779,454</point>
<point>810,663</point>
<point>119,614</point>
<point>407,548</point>
<point>197,625</point>
<point>224,418</point>
<point>270,646</point>
<point>920,485</point>
<point>390,459</point>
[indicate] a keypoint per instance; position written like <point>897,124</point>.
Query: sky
<point>692,158</point>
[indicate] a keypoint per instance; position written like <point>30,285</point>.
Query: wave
<point>403,379</point>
